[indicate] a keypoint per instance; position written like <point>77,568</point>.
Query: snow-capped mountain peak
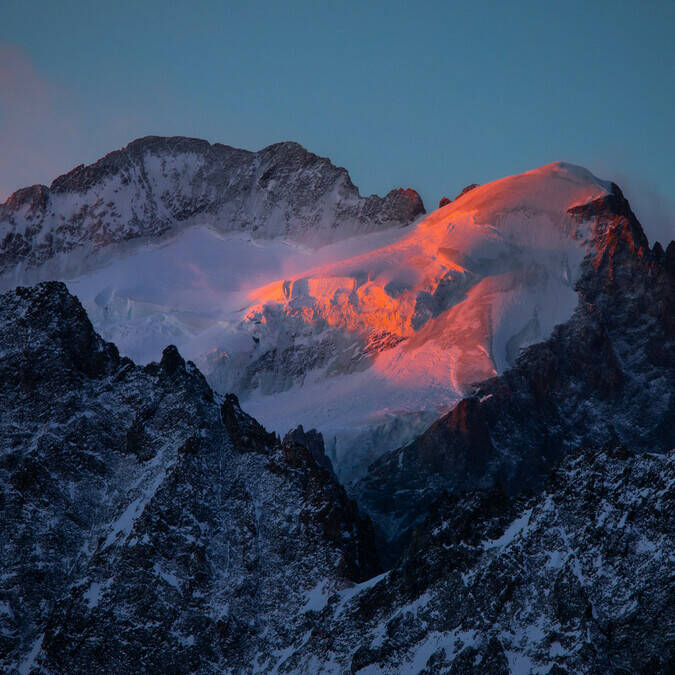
<point>406,330</point>
<point>273,273</point>
<point>157,187</point>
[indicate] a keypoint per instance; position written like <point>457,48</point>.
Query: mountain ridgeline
<point>156,186</point>
<point>147,523</point>
<point>150,524</point>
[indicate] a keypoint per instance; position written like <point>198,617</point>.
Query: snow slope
<point>370,349</point>
<point>369,337</point>
<point>607,373</point>
<point>187,289</point>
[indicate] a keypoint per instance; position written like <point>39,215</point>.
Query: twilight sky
<point>431,95</point>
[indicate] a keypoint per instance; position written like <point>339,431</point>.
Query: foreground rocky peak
<point>156,186</point>
<point>147,523</point>
<point>574,580</point>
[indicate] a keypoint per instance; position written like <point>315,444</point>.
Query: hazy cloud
<point>38,124</point>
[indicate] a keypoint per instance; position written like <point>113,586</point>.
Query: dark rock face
<point>312,440</point>
<point>575,580</point>
<point>155,186</point>
<point>468,188</point>
<point>148,525</point>
<point>606,374</point>
<point>445,201</point>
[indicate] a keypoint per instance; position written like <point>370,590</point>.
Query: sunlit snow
<point>371,338</point>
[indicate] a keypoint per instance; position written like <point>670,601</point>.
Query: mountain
<point>606,374</point>
<point>163,240</point>
<point>382,329</point>
<point>147,523</point>
<point>577,579</point>
<point>373,348</point>
<point>158,186</point>
<point>314,305</point>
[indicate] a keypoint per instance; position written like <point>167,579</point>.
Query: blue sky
<point>431,95</point>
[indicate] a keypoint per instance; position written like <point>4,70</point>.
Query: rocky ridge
<point>148,524</point>
<point>156,186</point>
<point>577,579</point>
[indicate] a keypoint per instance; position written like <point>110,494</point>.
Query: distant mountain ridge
<point>155,185</point>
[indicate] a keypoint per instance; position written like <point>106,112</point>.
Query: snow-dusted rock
<point>147,524</point>
<point>578,579</point>
<point>150,525</point>
<point>157,186</point>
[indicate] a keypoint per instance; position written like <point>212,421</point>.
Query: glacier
<point>364,323</point>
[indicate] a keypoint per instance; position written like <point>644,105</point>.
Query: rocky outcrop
<point>445,201</point>
<point>156,186</point>
<point>468,188</point>
<point>148,524</point>
<point>606,374</point>
<point>312,440</point>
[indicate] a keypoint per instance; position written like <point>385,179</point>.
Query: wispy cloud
<point>39,136</point>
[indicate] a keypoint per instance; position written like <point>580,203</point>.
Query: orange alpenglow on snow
<point>457,279</point>
<point>372,335</point>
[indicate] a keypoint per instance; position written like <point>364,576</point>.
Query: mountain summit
<point>370,348</point>
<point>368,338</point>
<point>157,186</point>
